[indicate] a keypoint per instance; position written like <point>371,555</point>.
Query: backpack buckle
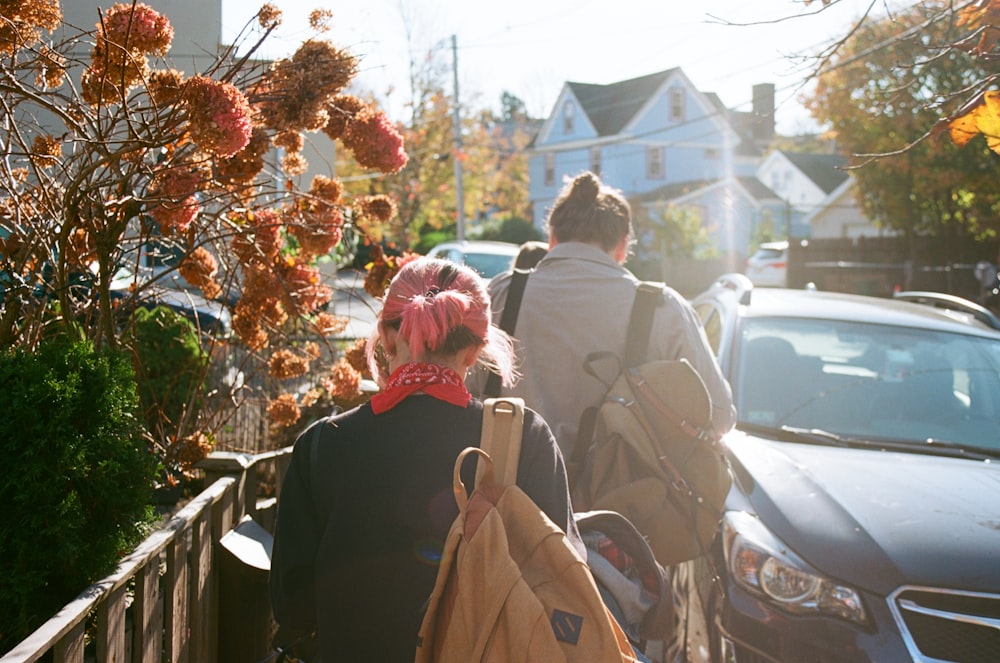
<point>681,486</point>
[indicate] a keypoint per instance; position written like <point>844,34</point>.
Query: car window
<point>489,264</point>
<point>769,254</point>
<point>864,380</point>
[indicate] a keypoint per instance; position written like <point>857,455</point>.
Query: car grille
<point>946,625</point>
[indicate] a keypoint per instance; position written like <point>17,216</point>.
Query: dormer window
<point>676,104</point>
<point>569,112</point>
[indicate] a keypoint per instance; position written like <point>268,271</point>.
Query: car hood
<point>876,519</point>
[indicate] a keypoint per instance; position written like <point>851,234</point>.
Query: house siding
<point>713,160</point>
<point>697,144</point>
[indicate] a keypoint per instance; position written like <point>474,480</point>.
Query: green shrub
<point>76,478</point>
<point>170,367</point>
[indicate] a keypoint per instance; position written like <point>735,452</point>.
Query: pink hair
<point>439,306</point>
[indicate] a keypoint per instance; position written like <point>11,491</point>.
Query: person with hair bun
<point>356,552</point>
<point>577,301</point>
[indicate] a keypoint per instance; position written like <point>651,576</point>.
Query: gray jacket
<point>575,303</point>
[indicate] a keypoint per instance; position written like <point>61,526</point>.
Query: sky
<point>530,48</point>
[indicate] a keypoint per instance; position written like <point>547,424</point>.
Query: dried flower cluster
<point>218,116</point>
<point>341,110</point>
<point>285,364</point>
<point>245,165</point>
<point>319,19</point>
<point>327,324</point>
<point>260,240</point>
<point>138,29</point>
<point>305,291</point>
<point>165,86</point>
<point>269,16</point>
<point>377,208</point>
<point>294,95</point>
<point>367,132</point>
<point>173,193</point>
<point>50,68</point>
<point>23,22</point>
<point>344,381</point>
<point>259,307</point>
<point>355,356</point>
<point>126,35</point>
<point>375,142</point>
<point>45,150</point>
<point>194,448</point>
<point>284,410</point>
<point>300,87</point>
<point>199,268</point>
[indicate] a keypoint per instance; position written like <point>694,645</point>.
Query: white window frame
<point>595,160</point>
<point>655,166</point>
<point>549,169</point>
<point>677,104</point>
<point>569,115</point>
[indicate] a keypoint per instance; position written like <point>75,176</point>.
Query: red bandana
<point>440,382</point>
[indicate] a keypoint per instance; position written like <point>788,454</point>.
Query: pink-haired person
<point>355,555</point>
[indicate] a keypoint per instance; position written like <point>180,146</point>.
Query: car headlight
<point>762,564</point>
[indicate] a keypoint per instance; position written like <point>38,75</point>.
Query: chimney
<point>763,112</point>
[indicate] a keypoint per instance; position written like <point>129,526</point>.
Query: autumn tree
<point>902,95</point>
<point>492,153</point>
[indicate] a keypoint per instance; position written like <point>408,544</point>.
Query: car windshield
<point>489,264</point>
<point>869,382</point>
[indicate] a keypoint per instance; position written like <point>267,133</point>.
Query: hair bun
<point>585,187</point>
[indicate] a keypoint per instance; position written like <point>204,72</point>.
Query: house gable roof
<point>825,170</point>
<point>611,107</point>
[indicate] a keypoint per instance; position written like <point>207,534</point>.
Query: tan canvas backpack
<point>511,587</point>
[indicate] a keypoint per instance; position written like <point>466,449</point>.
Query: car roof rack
<point>738,283</point>
<point>951,302</point>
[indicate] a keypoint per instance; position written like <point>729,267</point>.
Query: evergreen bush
<point>170,368</point>
<point>76,479</point>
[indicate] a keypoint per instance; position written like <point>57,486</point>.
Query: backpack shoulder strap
<point>508,321</point>
<point>503,425</point>
<point>314,474</point>
<point>648,296</point>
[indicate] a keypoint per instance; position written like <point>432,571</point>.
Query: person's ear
<point>388,337</point>
<point>620,253</point>
<point>469,356</point>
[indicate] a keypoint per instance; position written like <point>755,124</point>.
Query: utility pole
<point>456,159</point>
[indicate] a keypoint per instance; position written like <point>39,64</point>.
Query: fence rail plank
<point>147,630</point>
<point>111,627</point>
<point>75,612</point>
<point>173,576</point>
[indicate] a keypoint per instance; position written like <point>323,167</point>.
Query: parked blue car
<point>864,519</point>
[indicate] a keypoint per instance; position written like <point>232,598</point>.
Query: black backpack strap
<point>648,296</point>
<point>508,321</point>
<point>314,477</point>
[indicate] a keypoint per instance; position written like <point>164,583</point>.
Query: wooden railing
<point>164,602</point>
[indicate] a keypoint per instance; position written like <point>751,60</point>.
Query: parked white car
<point>487,258</point>
<point>768,267</point>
